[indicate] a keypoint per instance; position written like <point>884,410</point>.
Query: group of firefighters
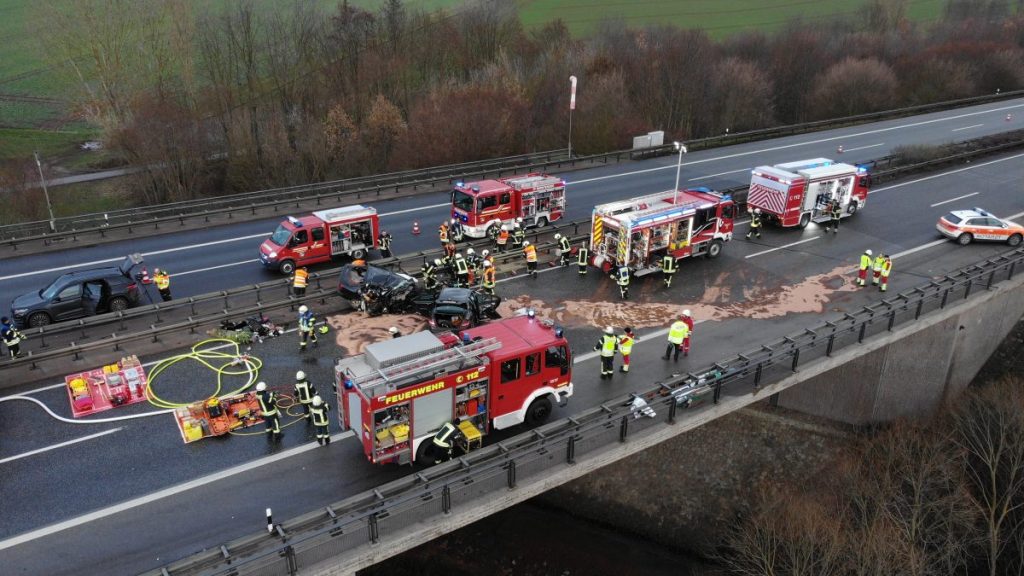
<point>313,407</point>
<point>679,334</point>
<point>880,266</point>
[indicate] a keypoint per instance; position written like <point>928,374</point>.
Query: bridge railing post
<point>623,428</point>
<point>511,474</point>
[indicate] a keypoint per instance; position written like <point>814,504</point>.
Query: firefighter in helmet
<point>318,413</point>
<point>621,275</point>
<point>530,251</point>
<point>502,239</point>
<point>304,392</point>
<point>581,260</point>
<point>518,233</point>
<point>607,346</point>
<point>755,224</point>
<point>269,411</point>
<point>489,277</point>
<point>443,443</point>
<point>564,249</point>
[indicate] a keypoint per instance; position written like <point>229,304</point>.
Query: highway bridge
<point>125,497</point>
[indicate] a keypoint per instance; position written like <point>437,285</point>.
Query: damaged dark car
<point>461,308</point>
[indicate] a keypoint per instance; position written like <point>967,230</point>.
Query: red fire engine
<point>320,236</point>
<point>798,193</point>
<point>399,393</point>
<point>640,231</point>
<point>484,206</point>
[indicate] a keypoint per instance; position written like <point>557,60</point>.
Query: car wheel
<point>539,411</point>
<point>1014,240</point>
<point>852,208</point>
<point>715,249</point>
<point>804,221</point>
<point>118,304</point>
<point>287,267</point>
<point>964,239</point>
<point>542,222</point>
<point>358,254</point>
<point>39,319</point>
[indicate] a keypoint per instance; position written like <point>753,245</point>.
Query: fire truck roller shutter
<point>430,412</point>
<point>355,415</point>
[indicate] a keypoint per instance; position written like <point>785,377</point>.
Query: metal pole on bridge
<point>572,106</point>
<point>42,180</point>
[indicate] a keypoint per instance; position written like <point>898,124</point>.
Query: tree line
<point>227,98</point>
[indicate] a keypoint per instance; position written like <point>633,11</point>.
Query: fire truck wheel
<point>804,221</point>
<point>542,222</point>
<point>358,254</point>
<point>852,208</point>
<point>538,411</point>
<point>964,239</point>
<point>287,267</point>
<point>715,249</point>
<point>1014,240</point>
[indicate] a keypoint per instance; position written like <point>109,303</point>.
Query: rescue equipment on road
<point>321,236</point>
<point>483,206</point>
<point>108,387</point>
<point>400,392</point>
<point>798,193</point>
<point>217,416</point>
<point>639,232</point>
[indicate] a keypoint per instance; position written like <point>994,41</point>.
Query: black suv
<point>77,294</point>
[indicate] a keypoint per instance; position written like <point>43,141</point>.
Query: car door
<point>300,244</point>
<point>67,304</point>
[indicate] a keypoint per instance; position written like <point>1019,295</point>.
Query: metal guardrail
<point>367,518</point>
<point>151,218</point>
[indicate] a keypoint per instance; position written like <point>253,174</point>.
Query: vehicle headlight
<point>20,311</point>
<point>272,255</point>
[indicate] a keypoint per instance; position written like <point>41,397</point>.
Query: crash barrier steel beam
<point>367,518</point>
<point>155,321</point>
<point>150,218</point>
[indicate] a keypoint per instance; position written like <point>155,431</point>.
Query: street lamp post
<point>42,180</point>
<point>572,106</point>
<point>679,168</point>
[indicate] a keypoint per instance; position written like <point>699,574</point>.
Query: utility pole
<point>42,180</point>
<point>572,106</point>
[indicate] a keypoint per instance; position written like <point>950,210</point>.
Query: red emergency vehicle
<point>320,236</point>
<point>798,193</point>
<point>399,393</point>
<point>484,206</point>
<point>640,231</point>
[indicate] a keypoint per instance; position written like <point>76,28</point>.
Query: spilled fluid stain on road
<point>811,295</point>
<point>354,331</point>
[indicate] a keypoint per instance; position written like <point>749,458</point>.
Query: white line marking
<point>61,445</point>
<point>432,206</point>
<point>719,174</point>
<point>958,170</point>
<point>196,271</point>
<point>159,495</point>
<point>968,127</point>
<point>781,247</point>
<point>918,249</point>
<point>865,147</point>
<point>954,199</point>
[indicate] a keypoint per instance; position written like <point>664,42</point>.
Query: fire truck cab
<point>798,193</point>
<point>640,231</point>
<point>484,206</point>
<point>399,392</point>
<point>321,236</point>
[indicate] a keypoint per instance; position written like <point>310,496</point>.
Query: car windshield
<point>462,201</point>
<point>952,218</point>
<point>281,235</point>
<point>50,291</point>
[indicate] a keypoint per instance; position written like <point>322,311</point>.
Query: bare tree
<point>840,90</point>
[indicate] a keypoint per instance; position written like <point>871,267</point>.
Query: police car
<point>965,226</point>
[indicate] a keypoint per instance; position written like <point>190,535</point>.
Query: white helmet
<point>757,210</point>
<point>485,252</point>
<point>519,220</point>
<point>558,236</point>
<point>303,309</point>
<point>317,401</point>
<point>261,386</point>
<point>487,263</point>
<point>609,330</point>
<point>469,251</point>
<point>156,270</point>
<point>526,242</point>
<point>300,375</point>
<point>868,252</point>
<point>503,227</point>
<point>453,220</point>
<point>393,330</point>
<point>437,261</point>
<point>686,312</point>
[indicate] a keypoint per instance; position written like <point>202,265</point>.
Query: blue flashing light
<point>558,331</point>
<point>466,339</point>
<point>348,384</point>
<point>295,221</point>
<point>460,184</point>
<point>704,189</point>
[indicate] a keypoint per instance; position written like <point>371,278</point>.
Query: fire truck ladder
<point>459,354</point>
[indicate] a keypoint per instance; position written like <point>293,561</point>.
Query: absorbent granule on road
<point>354,331</point>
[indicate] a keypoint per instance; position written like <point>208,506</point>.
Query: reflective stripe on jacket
<point>865,261</point>
<point>319,415</point>
<point>668,264</point>
<point>163,281</point>
<point>441,439</point>
<point>625,344</point>
<point>268,403</point>
<point>302,391</point>
<point>678,332</point>
<point>301,278</point>
<point>608,345</point>
<point>531,253</point>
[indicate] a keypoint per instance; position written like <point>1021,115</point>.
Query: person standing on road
<point>755,224</point>
<point>530,251</point>
<point>307,333</point>
<point>865,263</point>
<point>581,260</point>
<point>677,333</point>
<point>11,337</point>
<point>518,233</point>
<point>384,241</point>
<point>442,445</point>
<point>299,281</point>
<point>268,409</point>
<point>876,267</point>
<point>163,283</point>
<point>304,392</point>
<point>490,275</point>
<point>607,345</point>
<point>449,253</point>
<point>320,421</point>
<point>622,279</point>
<point>626,347</point>
<point>442,233</point>
<point>688,320</point>
<point>502,239</point>
<point>461,270</point>
<point>668,268</point>
<point>835,214</point>
<point>564,250</point>
<point>457,233</point>
<point>886,270</point>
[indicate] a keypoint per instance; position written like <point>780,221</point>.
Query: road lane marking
<point>719,174</point>
<point>919,248</point>
<point>60,445</point>
<point>954,199</point>
<point>865,147</point>
<point>958,170</point>
<point>968,127</point>
<point>431,207</point>
<point>219,266</point>
<point>781,247</point>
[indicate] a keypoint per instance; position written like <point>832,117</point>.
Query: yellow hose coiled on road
<point>235,363</point>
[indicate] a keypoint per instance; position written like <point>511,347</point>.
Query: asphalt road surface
<point>127,496</point>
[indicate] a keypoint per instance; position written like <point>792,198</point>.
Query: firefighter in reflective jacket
<point>886,269</point>
<point>518,233</point>
<point>564,249</point>
<point>268,408</point>
<point>755,224</point>
<point>449,253</point>
<point>444,441</point>
<point>299,281</point>
<point>668,268</point>
<point>428,270</point>
<point>489,277</point>
<point>461,270</point>
<point>304,392</point>
<point>835,215</point>
<point>677,333</point>
<point>163,283</point>
<point>608,344</point>
<point>581,259</point>
<point>306,330</point>
<point>530,251</point>
<point>442,233</point>
<point>877,269</point>
<point>384,240</point>
<point>502,239</point>
<point>865,263</point>
<point>622,279</point>
<point>626,347</point>
<point>456,230</point>
<point>320,420</point>
<point>12,338</point>
<point>688,320</point>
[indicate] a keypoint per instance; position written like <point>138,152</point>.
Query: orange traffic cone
<point>839,150</point>
<point>145,276</point>
<point>415,228</point>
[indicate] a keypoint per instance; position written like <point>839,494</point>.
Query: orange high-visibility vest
<point>503,237</point>
<point>442,231</point>
<point>489,275</point>
<point>531,253</point>
<point>301,277</point>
